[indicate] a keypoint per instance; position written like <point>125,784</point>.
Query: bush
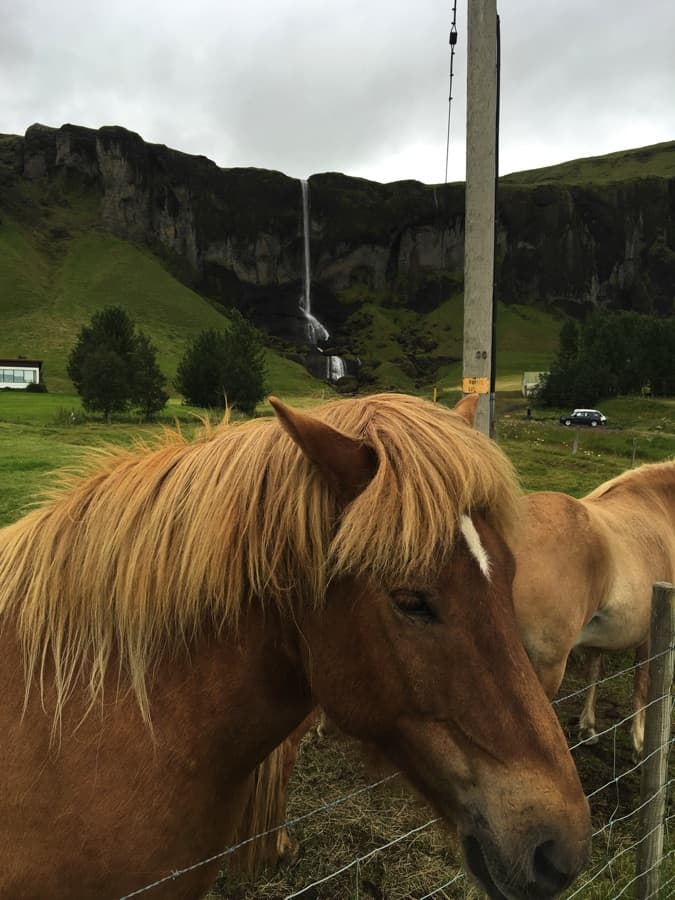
<point>222,369</point>
<point>610,354</point>
<point>113,367</point>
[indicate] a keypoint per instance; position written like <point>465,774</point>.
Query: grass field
<point>41,432</point>
<point>50,287</point>
<point>645,162</point>
<point>401,859</point>
<point>58,266</point>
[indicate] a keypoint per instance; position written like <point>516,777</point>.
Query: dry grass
<point>427,861</point>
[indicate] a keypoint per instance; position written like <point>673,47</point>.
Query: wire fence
<point>617,803</point>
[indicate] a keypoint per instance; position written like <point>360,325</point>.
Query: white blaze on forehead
<point>473,541</point>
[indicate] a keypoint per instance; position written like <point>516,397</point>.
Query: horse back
<point>562,573</point>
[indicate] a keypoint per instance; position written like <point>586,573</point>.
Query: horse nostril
<point>551,868</point>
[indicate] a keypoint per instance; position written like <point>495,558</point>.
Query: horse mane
<point>646,478</point>
<point>148,547</point>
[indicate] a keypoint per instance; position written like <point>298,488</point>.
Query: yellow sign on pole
<point>476,385</point>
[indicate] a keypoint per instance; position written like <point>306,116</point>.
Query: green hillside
<point>52,278</point>
<point>51,283</point>
<point>59,264</point>
<point>656,161</point>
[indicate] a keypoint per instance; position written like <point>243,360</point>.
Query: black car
<point>592,417</point>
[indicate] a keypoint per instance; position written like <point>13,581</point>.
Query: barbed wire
<point>615,821</point>
<point>357,861</point>
<point>177,873</point>
<point>616,725</point>
<point>362,859</point>
<point>442,887</point>
<point>627,772</point>
<point>637,809</point>
<point>611,861</point>
<point>606,678</point>
<point>640,875</point>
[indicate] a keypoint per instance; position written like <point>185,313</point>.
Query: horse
<point>173,612</point>
<point>262,831</point>
<point>584,575</point>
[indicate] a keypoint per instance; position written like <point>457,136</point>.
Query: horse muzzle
<point>536,869</point>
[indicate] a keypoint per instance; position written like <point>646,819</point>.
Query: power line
<point>453,44</point>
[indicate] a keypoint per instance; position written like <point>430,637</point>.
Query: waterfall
<point>335,368</point>
<point>315,330</point>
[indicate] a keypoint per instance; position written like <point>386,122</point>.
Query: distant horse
<point>170,617</point>
<point>584,576</point>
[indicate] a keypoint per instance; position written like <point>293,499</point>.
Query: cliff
<point>570,238</point>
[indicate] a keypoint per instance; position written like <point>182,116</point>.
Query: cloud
<point>355,87</point>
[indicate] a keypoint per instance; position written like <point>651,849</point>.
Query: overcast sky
<point>359,86</point>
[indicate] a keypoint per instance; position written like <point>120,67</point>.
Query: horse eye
<point>414,604</point>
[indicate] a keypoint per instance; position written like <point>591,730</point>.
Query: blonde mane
<point>152,546</point>
<point>646,478</point>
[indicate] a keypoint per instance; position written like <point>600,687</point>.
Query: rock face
<point>236,234</point>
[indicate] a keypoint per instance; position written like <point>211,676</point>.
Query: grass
<point>402,863</point>
<point>57,266</point>
<point>656,161</point>
<point>543,449</point>
<point>50,288</point>
<point>527,337</point>
<point>40,432</point>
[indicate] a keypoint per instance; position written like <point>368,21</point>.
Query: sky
<point>359,86</point>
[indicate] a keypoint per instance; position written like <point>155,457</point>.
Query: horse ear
<point>466,408</point>
<point>347,464</point>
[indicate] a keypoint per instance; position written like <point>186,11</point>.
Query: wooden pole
<point>657,739</point>
<point>479,227</point>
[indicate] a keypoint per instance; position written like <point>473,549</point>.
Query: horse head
<point>415,650</point>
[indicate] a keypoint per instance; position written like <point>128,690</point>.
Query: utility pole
<point>479,227</point>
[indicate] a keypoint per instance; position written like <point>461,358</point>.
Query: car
<point>592,417</point>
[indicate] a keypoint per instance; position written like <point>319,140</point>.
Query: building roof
<point>21,363</point>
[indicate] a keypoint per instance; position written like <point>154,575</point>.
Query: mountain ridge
<point>386,259</point>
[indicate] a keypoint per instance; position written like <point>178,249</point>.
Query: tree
<point>224,368</point>
<point>569,341</point>
<point>104,386</point>
<point>111,328</point>
<point>148,385</point>
<point>113,368</point>
<point>611,353</point>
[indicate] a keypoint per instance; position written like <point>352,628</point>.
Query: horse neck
<point>638,513</point>
<point>645,490</point>
<point>249,684</point>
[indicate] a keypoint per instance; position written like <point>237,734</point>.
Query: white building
<point>531,382</point>
<point>19,373</point>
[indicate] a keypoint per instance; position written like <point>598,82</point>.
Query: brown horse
<point>171,616</point>
<point>584,576</point>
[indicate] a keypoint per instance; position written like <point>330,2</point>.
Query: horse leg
<point>640,679</point>
<point>265,811</point>
<point>260,816</point>
<point>594,671</point>
<point>288,847</point>
<point>325,728</point>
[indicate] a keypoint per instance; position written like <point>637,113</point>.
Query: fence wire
<point>604,830</point>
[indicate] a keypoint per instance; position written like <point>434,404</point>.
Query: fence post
<point>657,735</point>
